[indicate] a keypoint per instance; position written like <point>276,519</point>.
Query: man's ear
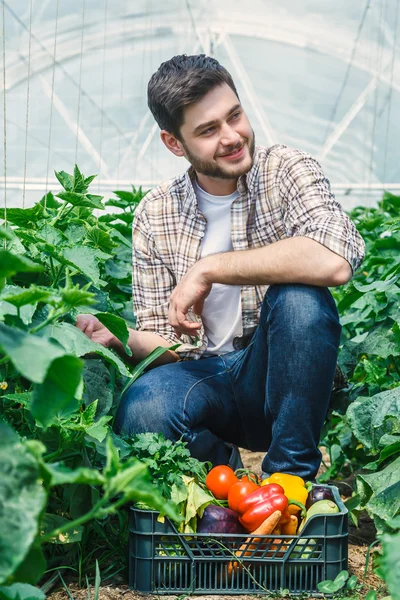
<point>172,143</point>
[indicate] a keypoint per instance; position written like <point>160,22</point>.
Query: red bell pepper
<point>258,512</point>
<point>259,495</point>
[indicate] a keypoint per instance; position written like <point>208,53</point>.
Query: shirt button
<point>202,234</point>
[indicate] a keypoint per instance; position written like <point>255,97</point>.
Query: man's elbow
<point>343,273</point>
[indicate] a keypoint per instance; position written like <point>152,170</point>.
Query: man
<point>233,260</point>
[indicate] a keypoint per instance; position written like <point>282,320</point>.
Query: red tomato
<point>238,491</point>
<point>219,480</point>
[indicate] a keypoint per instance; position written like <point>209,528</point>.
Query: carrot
<point>251,544</point>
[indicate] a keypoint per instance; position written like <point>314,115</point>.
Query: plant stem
<point>4,360</point>
<point>53,271</point>
<point>58,276</point>
<point>97,508</point>
<point>58,215</point>
<point>49,320</point>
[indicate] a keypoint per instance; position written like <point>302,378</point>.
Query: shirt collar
<point>246,183</point>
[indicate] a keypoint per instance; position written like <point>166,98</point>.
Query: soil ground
<point>359,540</point>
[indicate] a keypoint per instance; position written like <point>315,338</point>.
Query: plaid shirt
<point>285,194</point>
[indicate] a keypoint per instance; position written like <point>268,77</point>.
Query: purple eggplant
<point>217,519</point>
<point>318,492</point>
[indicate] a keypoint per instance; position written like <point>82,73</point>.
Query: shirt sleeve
<point>152,282</point>
<point>310,208</point>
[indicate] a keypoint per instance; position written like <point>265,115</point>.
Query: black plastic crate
<point>167,562</point>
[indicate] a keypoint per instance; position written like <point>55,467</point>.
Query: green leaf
<point>100,429</point>
<point>26,312</point>
<point>21,591</point>
<point>33,566</point>
<point>371,595</point>
<point>380,492</point>
<point>352,582</point>
<point>371,418</point>
<point>51,235</point>
<point>81,199</point>
<point>5,234</point>
<point>89,180</point>
<point>79,181</point>
<point>57,395</point>
<point>143,364</point>
<point>23,398</point>
<point>376,286</point>
<point>66,180</point>
<point>23,217</point>
<point>22,499</point>
<point>86,260</point>
<point>49,201</point>
<point>30,354</point>
<point>10,264</point>
<point>74,341</point>
<point>118,327</point>
<point>75,296</point>
<point>330,587</point>
<point>97,381</point>
<point>59,474</point>
<point>33,295</point>
<point>380,342</point>
<point>51,522</point>
<point>101,239</point>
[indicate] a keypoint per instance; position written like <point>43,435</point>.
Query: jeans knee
<point>301,307</point>
<point>144,408</point>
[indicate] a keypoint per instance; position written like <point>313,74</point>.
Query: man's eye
<point>236,115</point>
<point>207,131</point>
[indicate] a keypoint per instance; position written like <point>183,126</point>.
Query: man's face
<point>217,138</point>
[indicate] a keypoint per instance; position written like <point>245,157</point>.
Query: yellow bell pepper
<point>294,488</point>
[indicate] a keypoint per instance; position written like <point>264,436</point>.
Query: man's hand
<point>91,326</point>
<point>190,292</point>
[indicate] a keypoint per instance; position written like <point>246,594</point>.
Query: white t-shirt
<point>222,312</point>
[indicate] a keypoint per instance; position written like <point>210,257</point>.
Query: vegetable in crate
<point>217,519</point>
<point>239,490</point>
<point>293,486</point>
<point>254,544</point>
<point>322,507</point>
<point>318,492</point>
<point>260,504</point>
<point>219,481</point>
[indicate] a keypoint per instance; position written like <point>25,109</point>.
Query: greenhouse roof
<point>321,77</point>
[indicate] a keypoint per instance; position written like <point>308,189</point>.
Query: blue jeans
<point>272,396</point>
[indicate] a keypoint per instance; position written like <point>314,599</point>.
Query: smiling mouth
<point>234,153</point>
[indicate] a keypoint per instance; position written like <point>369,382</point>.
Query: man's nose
<point>229,136</point>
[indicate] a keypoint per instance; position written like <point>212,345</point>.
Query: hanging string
<point>5,121</point>
<point>390,91</point>
<point>80,83</point>
<point>376,95</point>
<point>151,63</point>
<point>51,104</point>
<point>349,66</point>
<point>65,72</point>
<point>102,92</point>
<point>142,83</point>
<point>27,101</point>
<point>121,91</point>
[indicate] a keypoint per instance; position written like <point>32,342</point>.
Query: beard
<point>211,169</point>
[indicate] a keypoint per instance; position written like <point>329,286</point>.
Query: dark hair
<point>181,81</point>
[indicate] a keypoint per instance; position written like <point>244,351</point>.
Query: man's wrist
<point>208,267</point>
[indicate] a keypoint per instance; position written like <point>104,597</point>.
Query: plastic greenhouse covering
<point>319,76</point>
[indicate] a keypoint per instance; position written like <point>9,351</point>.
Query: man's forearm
<point>293,260</point>
<point>142,343</point>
